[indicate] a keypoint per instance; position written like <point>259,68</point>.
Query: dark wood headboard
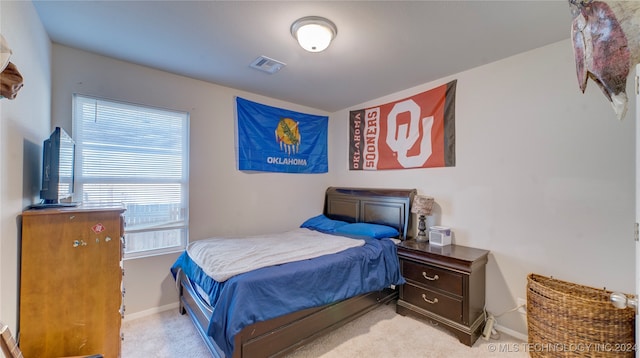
<point>389,207</point>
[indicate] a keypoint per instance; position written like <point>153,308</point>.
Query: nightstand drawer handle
<point>424,274</point>
<point>424,297</point>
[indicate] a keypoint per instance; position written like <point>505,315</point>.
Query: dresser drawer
<point>432,277</point>
<point>431,301</point>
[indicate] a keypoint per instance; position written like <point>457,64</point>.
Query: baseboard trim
<point>511,332</point>
<point>151,311</point>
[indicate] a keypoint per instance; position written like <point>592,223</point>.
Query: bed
<point>292,321</point>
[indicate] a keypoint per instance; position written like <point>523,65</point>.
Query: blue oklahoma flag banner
<point>272,139</point>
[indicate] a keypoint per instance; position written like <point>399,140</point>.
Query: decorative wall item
<point>10,81</point>
<point>415,132</point>
<point>278,140</point>
<point>10,77</point>
<point>5,53</point>
<point>606,46</point>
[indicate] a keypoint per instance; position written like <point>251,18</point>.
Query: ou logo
<point>401,138</point>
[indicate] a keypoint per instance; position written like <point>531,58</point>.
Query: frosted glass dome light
<point>314,33</point>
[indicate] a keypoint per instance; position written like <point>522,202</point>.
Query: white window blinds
<point>137,156</point>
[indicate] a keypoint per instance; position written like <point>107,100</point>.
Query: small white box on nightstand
<point>439,235</point>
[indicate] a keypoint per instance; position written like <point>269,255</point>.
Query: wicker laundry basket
<point>569,320</point>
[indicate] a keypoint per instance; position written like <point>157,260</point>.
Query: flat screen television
<point>58,160</point>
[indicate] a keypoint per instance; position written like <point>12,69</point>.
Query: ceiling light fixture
<point>314,33</point>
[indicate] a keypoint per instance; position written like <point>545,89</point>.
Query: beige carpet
<point>379,333</point>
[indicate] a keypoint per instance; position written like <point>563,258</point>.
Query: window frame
<point>80,180</point>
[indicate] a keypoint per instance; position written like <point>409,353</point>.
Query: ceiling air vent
<point>266,64</point>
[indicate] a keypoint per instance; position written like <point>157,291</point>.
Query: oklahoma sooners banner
<point>415,132</point>
<point>278,140</point>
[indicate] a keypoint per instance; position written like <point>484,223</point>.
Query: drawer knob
<point>435,277</point>
<point>424,297</point>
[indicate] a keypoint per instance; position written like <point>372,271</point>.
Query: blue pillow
<point>322,223</point>
<point>366,229</point>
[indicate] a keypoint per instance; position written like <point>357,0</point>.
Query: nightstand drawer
<point>432,277</point>
<point>431,301</point>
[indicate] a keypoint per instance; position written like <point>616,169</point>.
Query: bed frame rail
<point>279,336</point>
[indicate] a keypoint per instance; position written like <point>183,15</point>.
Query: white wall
<point>544,176</point>
<point>24,123</point>
<point>223,200</point>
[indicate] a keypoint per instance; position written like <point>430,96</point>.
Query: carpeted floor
<point>379,333</point>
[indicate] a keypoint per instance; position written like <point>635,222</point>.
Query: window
<point>137,156</point>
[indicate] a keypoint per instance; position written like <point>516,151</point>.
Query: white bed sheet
<point>224,257</point>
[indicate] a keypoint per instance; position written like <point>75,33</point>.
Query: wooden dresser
<point>445,285</point>
<point>71,282</point>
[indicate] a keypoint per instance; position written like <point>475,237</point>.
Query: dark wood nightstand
<point>445,285</point>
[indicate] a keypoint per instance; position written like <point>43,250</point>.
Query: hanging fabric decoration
<point>415,132</point>
<point>273,139</point>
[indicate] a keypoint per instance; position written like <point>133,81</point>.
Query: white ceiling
<point>382,46</point>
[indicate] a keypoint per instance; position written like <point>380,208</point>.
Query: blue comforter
<point>274,291</point>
